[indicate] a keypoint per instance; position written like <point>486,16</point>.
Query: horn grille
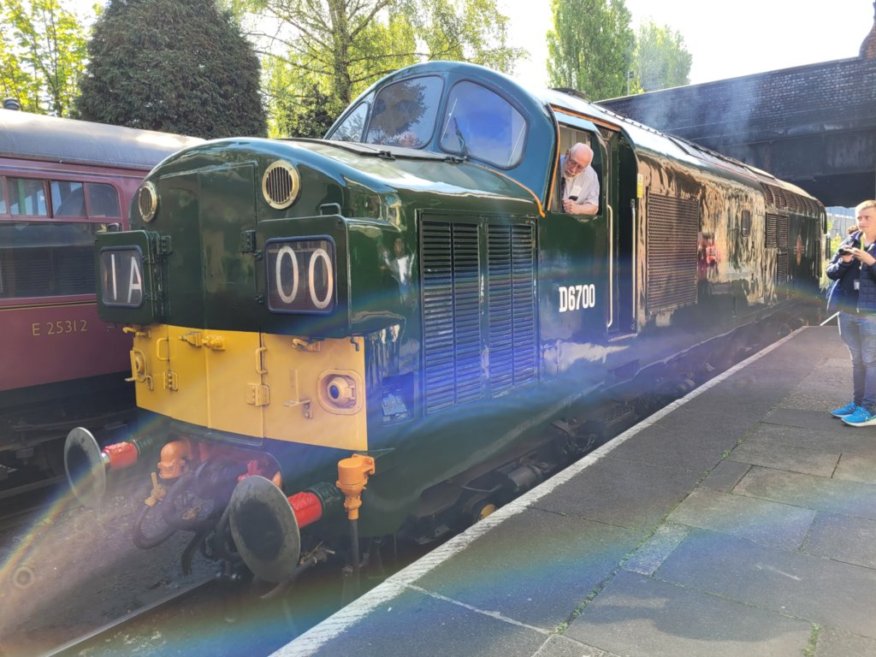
<point>280,185</point>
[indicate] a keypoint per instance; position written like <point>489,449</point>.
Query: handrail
<point>610,266</point>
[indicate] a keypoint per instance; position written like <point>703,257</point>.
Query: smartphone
<point>844,251</point>
<point>573,198</point>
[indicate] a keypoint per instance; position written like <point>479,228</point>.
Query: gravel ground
<point>73,569</point>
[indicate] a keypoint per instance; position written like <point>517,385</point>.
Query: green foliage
<point>591,47</point>
<point>470,30</point>
<point>175,65</point>
<point>300,106</point>
<point>335,49</point>
<point>662,61</point>
<point>42,54</point>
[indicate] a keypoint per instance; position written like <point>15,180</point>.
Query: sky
<point>727,38</point>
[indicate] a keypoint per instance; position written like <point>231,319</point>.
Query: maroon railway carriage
<point>61,183</point>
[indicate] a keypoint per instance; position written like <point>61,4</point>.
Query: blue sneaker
<point>860,418</point>
<point>842,411</point>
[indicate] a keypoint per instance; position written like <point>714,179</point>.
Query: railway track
<point>213,617</point>
<point>19,505</point>
<point>110,639</point>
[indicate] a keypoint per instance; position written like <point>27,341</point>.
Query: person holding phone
<point>580,184</point>
<point>853,294</point>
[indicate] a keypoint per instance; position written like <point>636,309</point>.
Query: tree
<point>340,47</point>
<point>591,47</point>
<point>662,60</point>
<point>42,55</point>
<point>173,65</point>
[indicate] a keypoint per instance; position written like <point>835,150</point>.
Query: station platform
<point>740,521</point>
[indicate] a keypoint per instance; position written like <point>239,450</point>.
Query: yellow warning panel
<point>236,395</point>
<point>317,391</point>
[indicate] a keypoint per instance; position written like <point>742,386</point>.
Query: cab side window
<point>568,137</point>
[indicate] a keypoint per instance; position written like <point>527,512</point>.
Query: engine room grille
<point>671,248</point>
<point>473,346</point>
<point>778,237</point>
<point>511,299</point>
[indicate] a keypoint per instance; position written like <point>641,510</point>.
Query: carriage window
<point>27,197</point>
<point>68,198</point>
<point>483,125</point>
<point>103,200</point>
<point>352,127</point>
<point>404,113</point>
<point>46,259</point>
<point>2,195</point>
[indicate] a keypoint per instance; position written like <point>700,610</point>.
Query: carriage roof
<point>34,137</point>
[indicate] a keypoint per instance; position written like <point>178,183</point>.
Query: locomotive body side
<point>409,289</point>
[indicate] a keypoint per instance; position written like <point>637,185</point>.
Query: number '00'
<point>288,291</point>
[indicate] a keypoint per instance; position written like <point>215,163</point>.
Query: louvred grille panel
<point>474,346</point>
<point>673,225</point>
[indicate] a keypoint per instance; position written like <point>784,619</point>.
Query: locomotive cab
<point>484,117</point>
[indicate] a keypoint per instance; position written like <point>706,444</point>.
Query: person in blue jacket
<point>853,295</point>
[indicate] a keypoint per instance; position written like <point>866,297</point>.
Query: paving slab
<point>536,567</point>
<point>418,624</point>
<point>653,552</point>
<point>858,462</point>
<point>559,646</point>
<point>800,585</point>
<point>852,540</point>
<point>849,498</point>
<point>623,493</point>
<point>831,437</point>
<point>766,523</point>
<point>836,643</point>
<point>670,447</point>
<point>637,616</point>
<point>782,454</point>
<point>817,419</point>
<point>726,475</point>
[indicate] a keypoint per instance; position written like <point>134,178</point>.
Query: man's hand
<point>573,207</point>
<point>863,256</point>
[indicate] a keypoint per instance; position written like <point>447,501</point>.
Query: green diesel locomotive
<point>406,305</point>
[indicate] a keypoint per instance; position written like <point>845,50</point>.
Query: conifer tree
<point>174,65</point>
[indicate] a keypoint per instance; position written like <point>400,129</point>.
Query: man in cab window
<point>579,187</point>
